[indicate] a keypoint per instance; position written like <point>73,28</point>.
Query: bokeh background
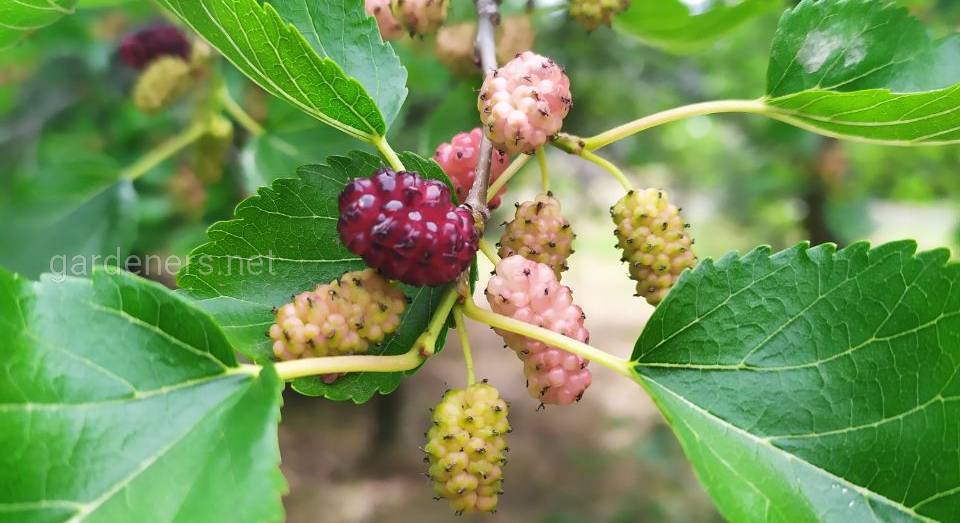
<point>66,119</point>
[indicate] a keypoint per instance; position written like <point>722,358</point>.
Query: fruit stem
<point>293,369</point>
<point>553,339</point>
<point>544,173</point>
<point>679,113</point>
<point>485,48</point>
<point>609,167</point>
<point>464,344</point>
<point>384,147</point>
<point>512,169</point>
<point>236,112</point>
<point>489,251</point>
<point>426,344</point>
<point>165,150</point>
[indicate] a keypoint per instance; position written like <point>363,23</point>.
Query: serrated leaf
<point>677,26</point>
<point>342,31</point>
<point>76,208</point>
<point>23,16</point>
<point>814,385</point>
<point>865,70</point>
<point>114,386</point>
<point>277,58</point>
<point>284,241</point>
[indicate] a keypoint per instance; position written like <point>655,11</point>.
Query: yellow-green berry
<point>161,83</point>
<point>466,448</point>
<point>540,233</point>
<point>655,241</point>
<point>592,14</point>
<point>345,316</point>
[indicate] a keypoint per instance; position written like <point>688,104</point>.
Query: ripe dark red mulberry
<point>145,45</point>
<point>407,227</point>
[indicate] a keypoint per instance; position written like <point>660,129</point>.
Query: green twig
<point>464,344</point>
<point>554,339</point>
<point>237,113</point>
<point>293,369</point>
<point>502,180</point>
<point>609,167</point>
<point>648,122</point>
<point>489,251</point>
<point>426,344</point>
<point>384,147</point>
<point>165,150</point>
<point>544,173</point>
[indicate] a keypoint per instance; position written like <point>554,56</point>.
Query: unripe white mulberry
<point>344,316</point>
<point>420,17</point>
<point>529,291</point>
<point>466,448</point>
<point>523,103</point>
<point>592,14</point>
<point>161,83</point>
<point>539,232</point>
<point>654,240</point>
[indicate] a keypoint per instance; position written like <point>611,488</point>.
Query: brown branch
<point>488,17</point>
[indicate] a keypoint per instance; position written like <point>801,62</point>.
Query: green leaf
<point>865,70</point>
<point>815,385</point>
<point>675,26</point>
<point>277,58</point>
<point>19,17</point>
<point>70,215</point>
<point>284,241</point>
<point>114,386</point>
<point>342,31</point>
<point>292,139</point>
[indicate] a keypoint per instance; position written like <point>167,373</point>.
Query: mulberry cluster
<point>523,103</point>
<point>142,47</point>
<point>345,316</point>
<point>529,291</point>
<point>407,227</point>
<point>390,28</point>
<point>459,158</point>
<point>420,17</point>
<point>466,448</point>
<point>161,83</point>
<point>654,240</point>
<point>539,232</point>
<point>592,14</point>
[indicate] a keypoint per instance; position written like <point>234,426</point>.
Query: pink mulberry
<point>459,158</point>
<point>523,103</point>
<point>529,291</point>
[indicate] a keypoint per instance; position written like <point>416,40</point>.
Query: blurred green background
<point>68,126</point>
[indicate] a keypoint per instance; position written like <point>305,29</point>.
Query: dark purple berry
<point>139,48</point>
<point>407,227</point>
